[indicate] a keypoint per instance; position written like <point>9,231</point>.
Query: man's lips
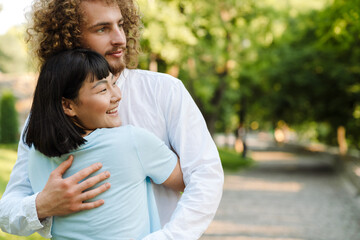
<point>117,53</point>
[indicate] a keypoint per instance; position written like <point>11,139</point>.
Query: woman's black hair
<point>49,129</point>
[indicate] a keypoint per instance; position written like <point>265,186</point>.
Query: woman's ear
<point>67,105</point>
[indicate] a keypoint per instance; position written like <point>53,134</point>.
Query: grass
<point>231,161</point>
<point>5,236</point>
<point>11,146</point>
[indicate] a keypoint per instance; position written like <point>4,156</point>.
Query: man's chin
<point>117,68</point>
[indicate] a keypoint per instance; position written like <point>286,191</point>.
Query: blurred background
<point>288,69</point>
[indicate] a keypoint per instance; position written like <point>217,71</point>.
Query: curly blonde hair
<point>54,26</point>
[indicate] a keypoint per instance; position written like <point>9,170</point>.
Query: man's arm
<point>17,205</point>
<point>65,196</point>
<point>201,167</point>
<point>21,209</point>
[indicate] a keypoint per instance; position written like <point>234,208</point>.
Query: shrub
<point>8,119</point>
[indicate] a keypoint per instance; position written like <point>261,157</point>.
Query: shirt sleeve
<point>200,164</point>
<point>18,213</point>
<point>157,160</point>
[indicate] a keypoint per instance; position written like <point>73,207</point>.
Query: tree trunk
<point>153,66</point>
<point>341,138</point>
<point>241,146</point>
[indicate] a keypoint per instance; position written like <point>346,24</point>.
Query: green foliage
<point>8,119</point>
<point>207,41</point>
<point>314,73</point>
<point>263,61</point>
<point>13,52</point>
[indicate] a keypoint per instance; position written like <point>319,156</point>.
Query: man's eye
<point>101,30</point>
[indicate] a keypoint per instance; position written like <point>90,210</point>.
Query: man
<point>154,101</point>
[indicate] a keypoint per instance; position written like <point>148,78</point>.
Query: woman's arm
<point>158,162</point>
<point>175,180</point>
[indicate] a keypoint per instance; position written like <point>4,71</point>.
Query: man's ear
<point>67,105</point>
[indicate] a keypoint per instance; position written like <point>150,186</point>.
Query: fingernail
<point>99,165</point>
<point>107,174</point>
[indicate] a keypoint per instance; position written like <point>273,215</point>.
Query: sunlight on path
<point>241,229</point>
<point>237,183</point>
<point>286,196</point>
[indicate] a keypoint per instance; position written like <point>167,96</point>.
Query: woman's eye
<point>103,90</point>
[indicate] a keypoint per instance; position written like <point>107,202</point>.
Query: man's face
<point>102,32</point>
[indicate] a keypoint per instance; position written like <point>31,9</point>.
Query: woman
<point>75,112</point>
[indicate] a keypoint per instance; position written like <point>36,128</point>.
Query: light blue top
<point>131,155</point>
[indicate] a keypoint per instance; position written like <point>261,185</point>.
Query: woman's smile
<point>97,103</point>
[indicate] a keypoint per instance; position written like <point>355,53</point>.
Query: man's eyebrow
<point>99,82</point>
<point>100,24</point>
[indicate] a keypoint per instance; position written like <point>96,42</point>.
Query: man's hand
<point>64,196</point>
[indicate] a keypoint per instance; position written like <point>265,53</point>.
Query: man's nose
<point>118,36</point>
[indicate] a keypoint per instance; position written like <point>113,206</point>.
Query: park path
<point>289,194</point>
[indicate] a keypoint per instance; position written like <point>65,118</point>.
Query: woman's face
<point>97,104</point>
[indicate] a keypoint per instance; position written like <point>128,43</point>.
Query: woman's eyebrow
<point>99,82</point>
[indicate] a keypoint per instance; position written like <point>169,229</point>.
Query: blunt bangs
<point>49,129</point>
<point>98,67</point>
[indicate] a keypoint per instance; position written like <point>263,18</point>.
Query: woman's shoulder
<point>110,131</point>
<point>122,130</point>
<point>128,133</point>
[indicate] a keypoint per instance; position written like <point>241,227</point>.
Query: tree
<point>314,75</point>
<point>8,119</point>
<point>14,56</point>
<point>204,43</point>
<point>268,60</point>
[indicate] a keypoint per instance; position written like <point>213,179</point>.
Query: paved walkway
<point>287,195</point>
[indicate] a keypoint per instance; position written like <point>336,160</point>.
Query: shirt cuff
<point>43,227</point>
<point>46,230</point>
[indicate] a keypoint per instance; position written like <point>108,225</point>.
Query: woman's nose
<point>116,97</point>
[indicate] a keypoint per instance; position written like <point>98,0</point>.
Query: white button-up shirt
<point>162,105</point>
